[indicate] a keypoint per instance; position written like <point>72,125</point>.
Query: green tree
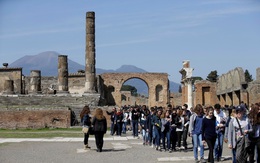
<point>130,88</point>
<point>248,76</point>
<point>194,78</point>
<point>212,76</point>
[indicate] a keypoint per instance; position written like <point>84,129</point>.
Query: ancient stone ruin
<point>38,101</point>
<point>68,93</point>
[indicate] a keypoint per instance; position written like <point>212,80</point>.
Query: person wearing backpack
<point>100,128</point>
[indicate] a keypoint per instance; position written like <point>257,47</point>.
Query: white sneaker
<point>198,148</point>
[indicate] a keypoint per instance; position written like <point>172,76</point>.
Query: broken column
<point>63,74</point>
<point>35,82</point>
<point>90,54</point>
<point>186,72</point>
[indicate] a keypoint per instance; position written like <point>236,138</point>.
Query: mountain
<point>47,62</point>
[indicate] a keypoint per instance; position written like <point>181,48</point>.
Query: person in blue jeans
<point>112,118</point>
<point>166,132</point>
<point>156,121</point>
<point>135,118</point>
<point>195,130</point>
<point>220,125</point>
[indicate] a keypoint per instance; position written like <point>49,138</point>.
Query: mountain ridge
<point>47,62</point>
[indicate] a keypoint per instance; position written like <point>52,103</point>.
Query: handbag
<point>85,129</point>
<point>242,147</point>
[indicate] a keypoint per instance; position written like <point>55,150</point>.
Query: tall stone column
<point>90,70</point>
<point>35,82</point>
<point>8,87</point>
<point>190,99</point>
<point>63,74</point>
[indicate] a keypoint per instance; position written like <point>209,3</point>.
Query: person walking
<point>179,128</point>
<point>165,130</point>
<point>156,121</point>
<point>86,122</point>
<point>231,116</point>
<point>195,131</point>
<point>209,134</point>
<point>100,128</point>
<point>119,122</point>
<point>238,129</point>
<point>187,114</point>
<point>173,135</point>
<point>221,123</point>
<point>254,117</point>
<point>150,126</point>
<point>135,119</point>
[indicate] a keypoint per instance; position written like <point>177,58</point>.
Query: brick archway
<point>153,81</point>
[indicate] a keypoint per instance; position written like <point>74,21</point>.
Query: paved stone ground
<point>70,150</point>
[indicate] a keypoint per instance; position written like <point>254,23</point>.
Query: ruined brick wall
<point>133,100</point>
<point>176,99</point>
<point>48,101</point>
<point>48,84</point>
<point>14,74</point>
<point>205,93</point>
<point>77,83</point>
<point>254,92</point>
<point>153,81</point>
<point>13,119</point>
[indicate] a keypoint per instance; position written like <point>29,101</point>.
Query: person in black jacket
<point>85,120</point>
<point>135,119</point>
<point>174,122</point>
<point>112,118</point>
<point>150,126</point>
<point>100,128</point>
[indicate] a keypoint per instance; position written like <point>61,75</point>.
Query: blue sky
<point>153,35</point>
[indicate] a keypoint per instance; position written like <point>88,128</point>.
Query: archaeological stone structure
<point>231,88</point>
<point>63,74</point>
<point>158,87</point>
<point>90,72</point>
<point>186,82</point>
<point>39,98</point>
<point>37,101</point>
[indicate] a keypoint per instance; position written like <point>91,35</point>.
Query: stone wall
<point>40,118</point>
<point>49,100</point>
<point>176,99</point>
<point>14,74</point>
<point>231,81</point>
<point>205,93</point>
<point>157,97</point>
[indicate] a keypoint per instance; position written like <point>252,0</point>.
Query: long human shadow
<point>112,150</point>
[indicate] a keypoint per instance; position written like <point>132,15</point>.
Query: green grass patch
<point>42,133</point>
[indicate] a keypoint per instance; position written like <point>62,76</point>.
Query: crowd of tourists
<point>167,129</point>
